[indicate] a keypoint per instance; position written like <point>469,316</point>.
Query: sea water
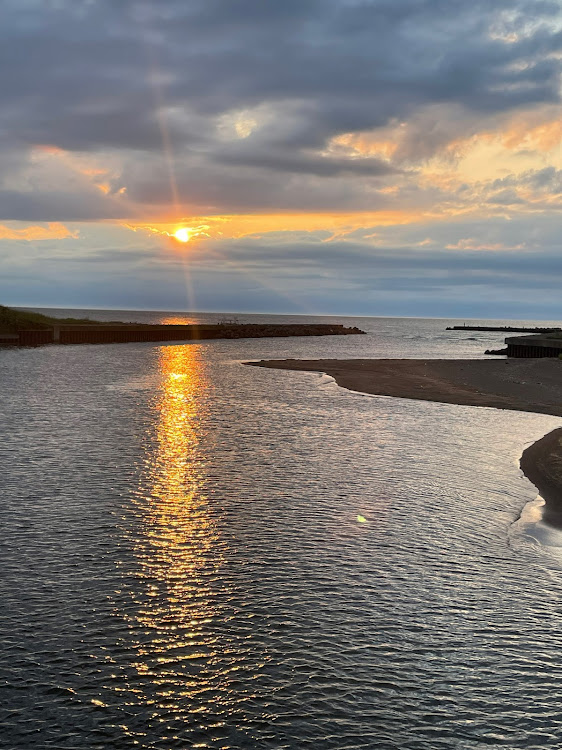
<point>198,553</point>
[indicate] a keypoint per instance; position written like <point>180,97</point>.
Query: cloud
<point>469,243</point>
<point>65,206</point>
<point>159,86</point>
<point>318,166</point>
<point>53,230</point>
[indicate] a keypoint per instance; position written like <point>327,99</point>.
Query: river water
<point>197,553</point>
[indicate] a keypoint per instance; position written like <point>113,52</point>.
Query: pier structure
<point>506,329</point>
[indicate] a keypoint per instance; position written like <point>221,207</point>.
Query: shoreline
<point>542,465</point>
<point>531,385</point>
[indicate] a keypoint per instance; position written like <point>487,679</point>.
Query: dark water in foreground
<point>195,553</point>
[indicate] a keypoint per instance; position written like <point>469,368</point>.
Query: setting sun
<point>182,235</point>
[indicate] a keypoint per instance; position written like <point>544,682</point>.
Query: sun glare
<point>182,235</point>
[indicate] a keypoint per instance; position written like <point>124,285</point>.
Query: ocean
<point>200,554</point>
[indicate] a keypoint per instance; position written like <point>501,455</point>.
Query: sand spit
<point>533,385</point>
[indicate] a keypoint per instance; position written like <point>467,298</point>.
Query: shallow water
<point>196,553</point>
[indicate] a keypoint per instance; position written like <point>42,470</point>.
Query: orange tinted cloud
<point>34,232</point>
<point>236,226</point>
<point>366,144</point>
<point>47,148</point>
<point>541,136</point>
<point>539,132</point>
<point>81,164</point>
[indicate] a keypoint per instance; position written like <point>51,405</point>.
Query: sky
<point>361,157</point>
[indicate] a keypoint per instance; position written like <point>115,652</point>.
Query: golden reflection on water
<point>179,550</point>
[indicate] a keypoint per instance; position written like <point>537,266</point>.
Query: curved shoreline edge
<point>532,385</point>
<point>542,465</point>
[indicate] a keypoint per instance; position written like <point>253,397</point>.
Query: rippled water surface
<point>196,553</point>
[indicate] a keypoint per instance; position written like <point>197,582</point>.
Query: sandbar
<point>532,385</point>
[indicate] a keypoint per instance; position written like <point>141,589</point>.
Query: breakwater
<point>507,329</point>
<point>126,333</point>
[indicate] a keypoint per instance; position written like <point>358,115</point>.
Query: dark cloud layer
<point>144,76</point>
<point>321,167</point>
<point>66,206</point>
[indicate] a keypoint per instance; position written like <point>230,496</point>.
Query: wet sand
<point>533,385</point>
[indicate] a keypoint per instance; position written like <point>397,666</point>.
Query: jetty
<point>505,329</point>
<point>20,328</point>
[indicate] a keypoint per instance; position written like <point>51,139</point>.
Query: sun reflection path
<point>178,528</point>
<point>179,553</point>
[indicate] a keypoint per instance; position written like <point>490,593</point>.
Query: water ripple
<point>198,554</point>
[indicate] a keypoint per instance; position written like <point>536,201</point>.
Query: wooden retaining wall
<point>124,334</point>
<point>524,350</point>
<point>36,338</point>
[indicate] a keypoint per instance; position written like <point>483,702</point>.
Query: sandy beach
<point>533,385</point>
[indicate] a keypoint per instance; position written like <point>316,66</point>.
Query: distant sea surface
<point>199,554</point>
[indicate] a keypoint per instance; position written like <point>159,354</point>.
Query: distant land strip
<point>531,385</point>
